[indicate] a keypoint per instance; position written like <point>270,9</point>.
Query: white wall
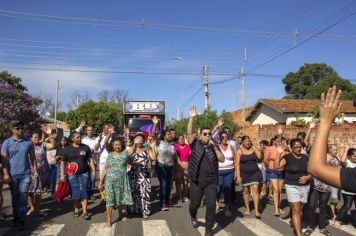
<point>349,118</point>
<point>266,115</point>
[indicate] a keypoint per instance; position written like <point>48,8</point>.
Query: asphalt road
<point>59,221</point>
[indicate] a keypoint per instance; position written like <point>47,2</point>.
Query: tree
<point>297,83</point>
<point>96,114</point>
<point>104,95</point>
<point>206,119</point>
<point>47,104</point>
<point>16,105</point>
<point>118,96</point>
<point>348,89</point>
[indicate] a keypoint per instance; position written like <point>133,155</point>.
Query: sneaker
<point>185,199</point>
<point>180,201</point>
<point>86,216</point>
<point>164,208</point>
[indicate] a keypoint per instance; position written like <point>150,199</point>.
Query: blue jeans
<point>19,186</point>
<point>226,179</point>
<point>53,169</point>
<point>164,174</point>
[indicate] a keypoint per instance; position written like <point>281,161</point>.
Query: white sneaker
<point>185,199</point>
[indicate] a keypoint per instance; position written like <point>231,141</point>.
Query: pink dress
<point>184,156</point>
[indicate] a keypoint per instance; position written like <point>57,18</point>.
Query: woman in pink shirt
<point>276,176</point>
<point>183,151</point>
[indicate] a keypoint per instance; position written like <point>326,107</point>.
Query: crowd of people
<point>205,167</point>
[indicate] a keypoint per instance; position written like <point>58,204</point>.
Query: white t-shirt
<point>102,152</point>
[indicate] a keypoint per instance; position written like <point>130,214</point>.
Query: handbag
<point>62,191</point>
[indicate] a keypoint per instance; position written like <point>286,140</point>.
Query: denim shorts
<point>276,174</point>
<point>297,193</point>
<point>79,186</point>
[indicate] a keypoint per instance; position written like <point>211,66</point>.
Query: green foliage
<point>207,119</point>
<point>313,79</point>
<point>299,122</point>
<point>348,89</point>
<point>315,113</point>
<point>16,105</point>
<point>96,114</point>
<point>61,116</point>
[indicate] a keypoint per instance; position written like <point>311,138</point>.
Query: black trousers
<point>197,190</point>
<point>348,199</point>
<point>322,198</point>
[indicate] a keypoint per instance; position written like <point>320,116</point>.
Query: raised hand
<point>312,125</point>
<point>193,112</point>
<point>280,130</point>
<point>220,122</point>
<point>155,120</point>
<point>82,124</point>
<point>280,149</point>
<point>330,105</point>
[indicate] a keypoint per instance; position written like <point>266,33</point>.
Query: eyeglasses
<point>18,128</point>
<point>206,134</point>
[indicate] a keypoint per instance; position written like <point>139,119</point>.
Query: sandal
<point>146,217</point>
<point>258,216</point>
<point>76,214</point>
<point>247,213</point>
<point>308,232</point>
<point>86,216</point>
<point>336,224</point>
<point>30,213</point>
<point>122,218</point>
<point>325,232</point>
<point>277,214</point>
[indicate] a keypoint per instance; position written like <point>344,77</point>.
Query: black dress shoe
<point>194,222</point>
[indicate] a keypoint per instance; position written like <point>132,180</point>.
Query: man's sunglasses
<point>206,134</point>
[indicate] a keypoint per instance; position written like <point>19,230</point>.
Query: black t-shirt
<point>348,179</point>
<point>205,170</point>
<point>77,158</point>
<point>295,168</point>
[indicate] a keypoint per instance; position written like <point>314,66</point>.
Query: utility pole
<point>207,95</point>
<point>56,105</point>
<point>242,77</point>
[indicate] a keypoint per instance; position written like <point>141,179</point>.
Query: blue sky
<point>112,41</point>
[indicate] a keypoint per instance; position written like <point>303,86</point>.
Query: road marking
<point>258,227</point>
<point>346,228</point>
<point>3,230</point>
<point>315,232</point>
<point>99,229</point>
<point>155,228</point>
<point>48,230</point>
<point>217,230</point>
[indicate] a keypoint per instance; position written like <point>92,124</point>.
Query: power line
<point>331,25</point>
<point>193,96</point>
<point>109,71</point>
<point>154,25</point>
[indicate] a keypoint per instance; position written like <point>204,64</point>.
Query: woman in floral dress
<point>117,188</point>
<point>140,180</point>
<point>37,183</point>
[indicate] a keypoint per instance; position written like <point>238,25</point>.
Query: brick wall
<point>339,134</point>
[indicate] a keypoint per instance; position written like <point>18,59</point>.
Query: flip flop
<point>247,213</point>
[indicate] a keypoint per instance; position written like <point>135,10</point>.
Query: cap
<point>16,123</point>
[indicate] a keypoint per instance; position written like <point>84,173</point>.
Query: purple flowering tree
<point>16,105</point>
